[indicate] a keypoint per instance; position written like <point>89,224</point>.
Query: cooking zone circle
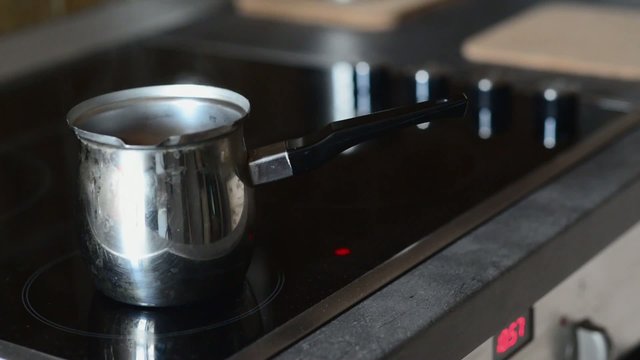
<point>79,309</point>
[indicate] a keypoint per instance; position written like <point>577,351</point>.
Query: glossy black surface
<point>375,200</point>
<point>309,152</point>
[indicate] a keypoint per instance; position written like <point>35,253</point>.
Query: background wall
<point>17,14</point>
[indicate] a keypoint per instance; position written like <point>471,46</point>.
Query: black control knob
<point>371,87</point>
<point>358,89</point>
<point>429,85</point>
<point>419,84</point>
<point>556,115</point>
<point>493,106</point>
<point>426,85</point>
<point>588,342</point>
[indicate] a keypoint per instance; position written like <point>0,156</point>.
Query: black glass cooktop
<point>316,233</point>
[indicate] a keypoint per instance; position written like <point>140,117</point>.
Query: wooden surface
<point>367,15</point>
<point>15,14</point>
<point>601,41</point>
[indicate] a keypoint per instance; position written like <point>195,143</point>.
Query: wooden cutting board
<point>596,40</point>
<point>367,15</point>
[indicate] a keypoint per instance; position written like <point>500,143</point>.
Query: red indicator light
<point>342,251</point>
<point>513,337</point>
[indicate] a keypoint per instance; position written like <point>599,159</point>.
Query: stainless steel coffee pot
<point>166,202</point>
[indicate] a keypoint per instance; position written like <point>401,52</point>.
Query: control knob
<point>426,85</point>
<point>556,115</point>
<point>492,106</point>
<point>429,85</point>
<point>357,89</point>
<point>589,342</point>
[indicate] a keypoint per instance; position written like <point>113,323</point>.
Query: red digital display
<point>342,251</point>
<point>511,338</point>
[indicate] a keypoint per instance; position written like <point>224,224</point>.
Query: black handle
<point>311,151</point>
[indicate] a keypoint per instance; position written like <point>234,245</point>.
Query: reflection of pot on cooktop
<point>118,330</point>
<point>132,332</point>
